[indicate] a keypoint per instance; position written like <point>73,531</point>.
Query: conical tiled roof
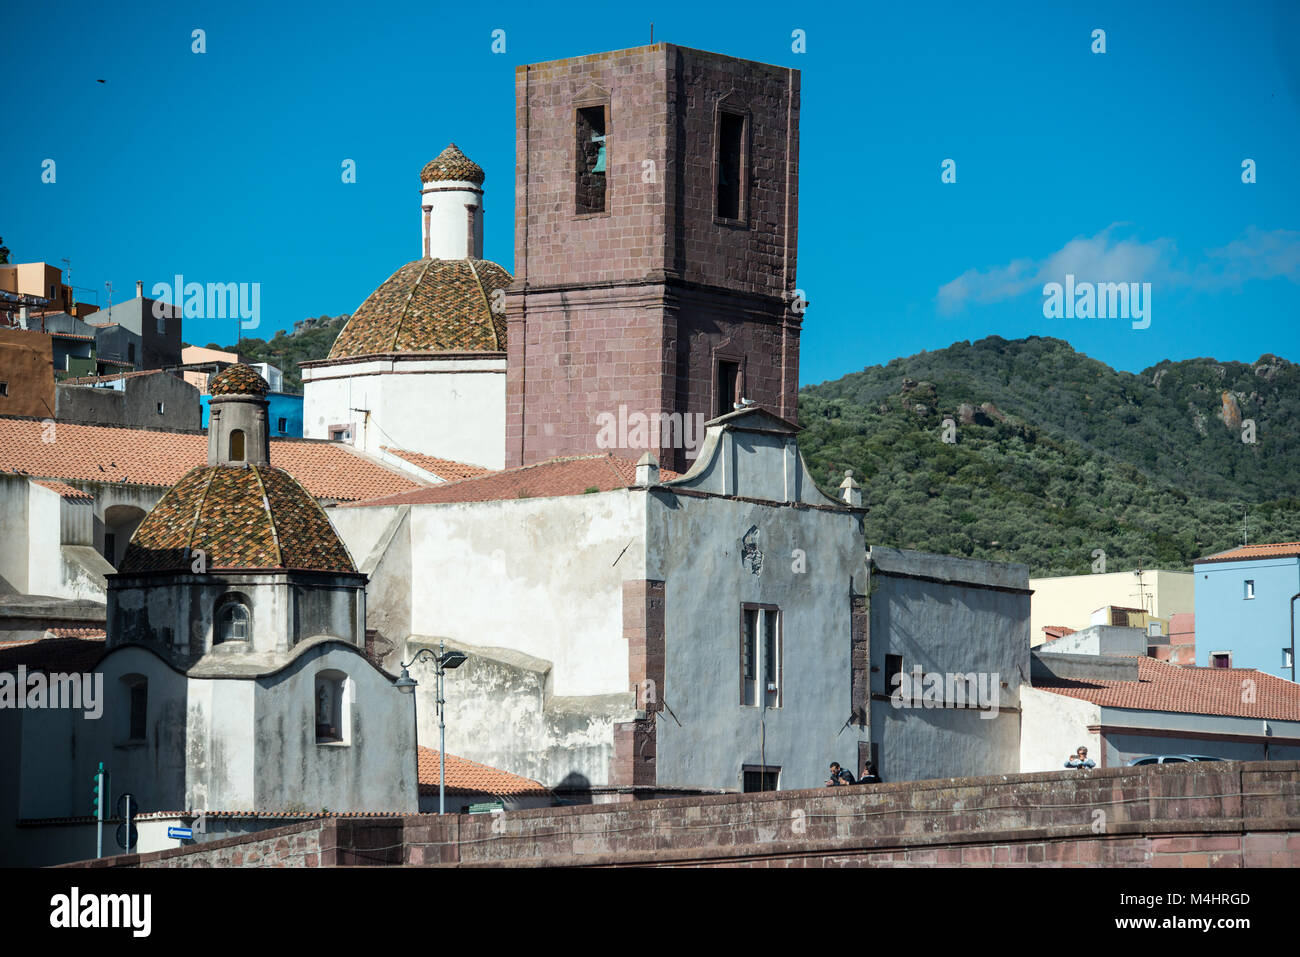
<point>429,305</point>
<point>238,379</point>
<point>241,517</point>
<point>452,164</point>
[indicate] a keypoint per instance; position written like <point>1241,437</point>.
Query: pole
<point>1293,598</point>
<point>99,815</point>
<point>442,739</point>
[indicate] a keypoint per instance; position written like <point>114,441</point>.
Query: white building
<point>421,364</point>
<point>233,678</point>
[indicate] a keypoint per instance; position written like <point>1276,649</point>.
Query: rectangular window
<point>731,167</point>
<point>4,389</point>
<point>162,325</point>
<point>282,424</point>
<point>110,548</point>
<point>893,668</point>
<point>1249,589</point>
<point>130,352</point>
<point>592,159</point>
<point>728,386</point>
<point>756,778</point>
<point>1220,659</point>
<point>161,407</point>
<point>139,710</point>
<point>761,673</point>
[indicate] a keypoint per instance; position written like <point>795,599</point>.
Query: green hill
<point>286,351</point>
<point>1057,454</point>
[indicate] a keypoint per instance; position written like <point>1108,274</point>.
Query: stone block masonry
<point>1232,814</point>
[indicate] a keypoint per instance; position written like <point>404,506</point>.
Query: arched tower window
<point>234,623</point>
<point>331,705</point>
<point>236,445</point>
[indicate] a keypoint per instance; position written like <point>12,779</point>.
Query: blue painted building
<point>1244,607</point>
<point>283,414</point>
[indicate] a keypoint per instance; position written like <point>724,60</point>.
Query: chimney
<point>850,490</point>
<point>647,471</point>
<point>139,289</point>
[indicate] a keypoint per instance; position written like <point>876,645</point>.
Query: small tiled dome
<point>241,517</point>
<point>452,164</point>
<point>238,379</point>
<point>429,305</point>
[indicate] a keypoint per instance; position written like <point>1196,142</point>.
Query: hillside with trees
<point>286,351</point>
<point>1056,454</point>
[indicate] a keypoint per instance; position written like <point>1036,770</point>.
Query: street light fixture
<point>443,661</point>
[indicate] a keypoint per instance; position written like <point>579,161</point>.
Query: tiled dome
<point>452,164</point>
<point>238,379</point>
<point>242,517</point>
<point>429,305</point>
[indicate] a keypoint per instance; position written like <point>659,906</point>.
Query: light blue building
<point>1245,600</point>
<point>283,414</point>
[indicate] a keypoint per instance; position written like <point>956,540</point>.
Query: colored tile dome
<point>238,379</point>
<point>242,517</point>
<point>452,164</point>
<point>429,305</point>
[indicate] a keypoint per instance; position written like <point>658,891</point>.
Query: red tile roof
<point>90,632</point>
<point>92,379</point>
<point>1057,631</point>
<point>52,654</point>
<point>63,490</point>
<point>571,475</point>
<point>100,453</point>
<point>445,469</point>
<point>1165,687</point>
<point>1248,552</point>
<point>470,777</point>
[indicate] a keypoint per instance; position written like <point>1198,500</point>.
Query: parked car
<point>1170,759</point>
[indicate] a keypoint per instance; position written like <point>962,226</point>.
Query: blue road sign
<point>181,833</point>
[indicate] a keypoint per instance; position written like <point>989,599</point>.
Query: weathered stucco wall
<point>714,554</point>
<point>1053,727</point>
<point>948,616</point>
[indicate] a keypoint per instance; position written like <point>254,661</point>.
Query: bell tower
<point>237,426</point>
<point>655,245</point>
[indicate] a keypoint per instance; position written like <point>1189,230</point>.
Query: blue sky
<point>1122,166</point>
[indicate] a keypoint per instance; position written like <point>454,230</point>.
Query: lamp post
<point>444,661</point>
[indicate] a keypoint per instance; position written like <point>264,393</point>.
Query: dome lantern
<point>451,206</point>
<point>237,426</point>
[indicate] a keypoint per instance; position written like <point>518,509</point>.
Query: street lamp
<point>444,661</point>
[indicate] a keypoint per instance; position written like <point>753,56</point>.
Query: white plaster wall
<point>451,408</point>
<point>695,548</point>
<point>542,576</point>
<point>1053,726</point>
<point>448,221</point>
<point>14,558</point>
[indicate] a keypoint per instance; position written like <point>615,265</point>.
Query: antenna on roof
<point>652,33</point>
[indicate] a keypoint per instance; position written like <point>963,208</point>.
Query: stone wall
<point>1225,815</point>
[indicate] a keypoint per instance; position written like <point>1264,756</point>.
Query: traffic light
<point>96,797</point>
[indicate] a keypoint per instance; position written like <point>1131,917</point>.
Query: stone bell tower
<point>655,236</point>
<point>237,431</point>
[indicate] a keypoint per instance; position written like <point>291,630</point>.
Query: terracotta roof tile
<point>470,777</point>
<point>102,453</point>
<point>240,517</point>
<point>93,379</point>
<point>52,654</point>
<point>429,305</point>
<point>1165,687</point>
<point>63,490</point>
<point>452,164</point>
<point>445,469</point>
<point>571,475</point>
<point>237,379</point>
<point>90,632</point>
<point>1249,552</point>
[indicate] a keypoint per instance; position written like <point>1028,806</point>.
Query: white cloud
<point>1256,254</point>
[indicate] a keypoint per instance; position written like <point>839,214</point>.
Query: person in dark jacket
<point>869,775</point>
<point>839,776</point>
